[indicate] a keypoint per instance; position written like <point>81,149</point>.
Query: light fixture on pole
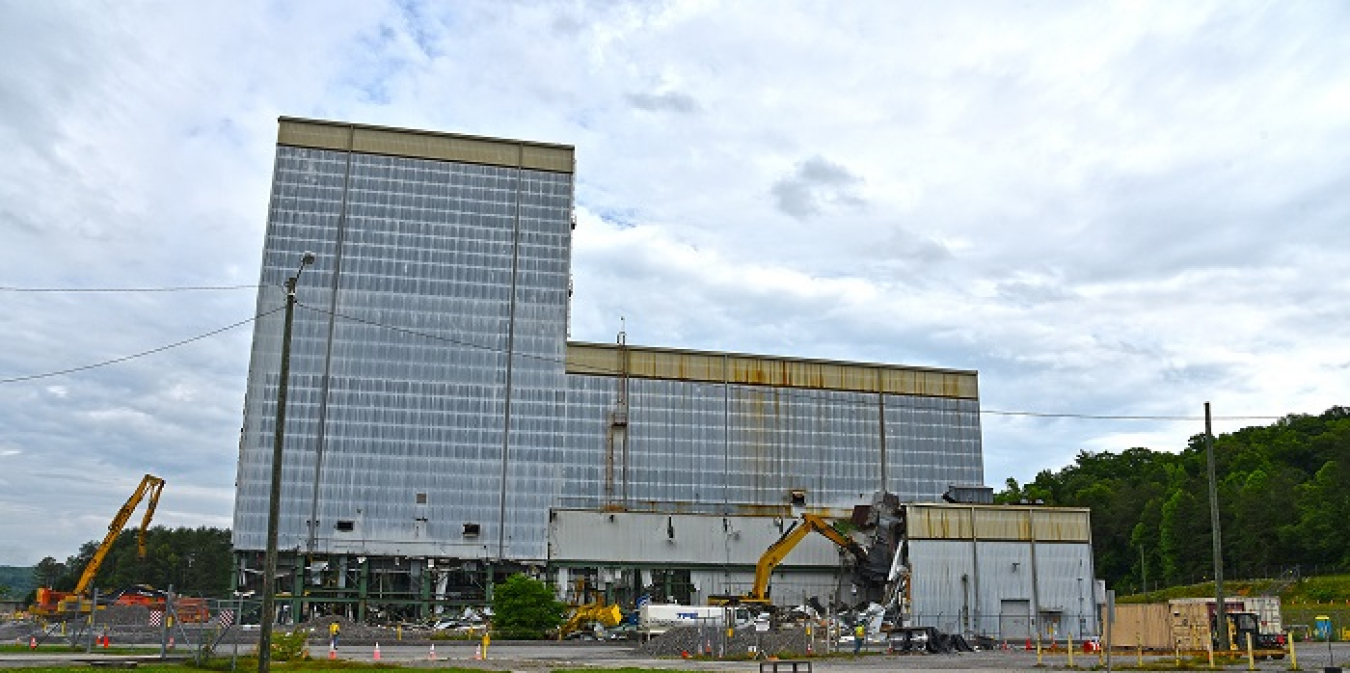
<point>274,496</point>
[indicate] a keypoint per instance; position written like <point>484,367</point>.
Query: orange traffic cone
<point>432,654</point>
<point>377,652</point>
<point>106,641</point>
<point>332,652</point>
<point>32,642</point>
<point>478,653</point>
<point>171,642</point>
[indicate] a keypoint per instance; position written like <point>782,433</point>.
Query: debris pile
<point>693,641</point>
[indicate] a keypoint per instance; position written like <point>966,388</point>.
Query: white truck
<point>657,618</point>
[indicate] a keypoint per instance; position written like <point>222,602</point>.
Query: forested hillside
<point>15,581</point>
<point>191,560</point>
<point>1284,501</point>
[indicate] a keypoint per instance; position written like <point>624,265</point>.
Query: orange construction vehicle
<point>188,610</point>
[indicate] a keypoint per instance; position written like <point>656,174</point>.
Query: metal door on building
<point>1014,620</point>
<point>1052,627</point>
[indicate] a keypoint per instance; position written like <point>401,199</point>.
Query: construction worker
<point>859,635</point>
<point>333,631</point>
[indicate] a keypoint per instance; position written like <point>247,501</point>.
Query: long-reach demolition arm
<point>149,484</point>
<point>785,544</point>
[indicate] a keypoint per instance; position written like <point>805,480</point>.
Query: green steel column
<point>424,610</point>
<point>362,586</point>
<point>297,588</point>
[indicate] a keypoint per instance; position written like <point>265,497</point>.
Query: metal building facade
<point>437,412</point>
<point>430,269</point>
<point>1006,572</point>
<point>736,433</point>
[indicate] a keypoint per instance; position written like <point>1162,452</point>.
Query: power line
<point>787,392</point>
<point>152,351</point>
<point>1109,417</point>
<point>599,370</point>
<point>76,290</point>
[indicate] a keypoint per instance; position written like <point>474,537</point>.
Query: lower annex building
<point>442,432</point>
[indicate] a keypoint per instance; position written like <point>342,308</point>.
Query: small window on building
<point>421,498</point>
<point>797,497</point>
<point>346,526</point>
<point>470,530</point>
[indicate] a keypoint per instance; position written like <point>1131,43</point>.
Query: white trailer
<point>657,618</point>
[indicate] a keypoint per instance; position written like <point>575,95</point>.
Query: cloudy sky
<point>1108,210</point>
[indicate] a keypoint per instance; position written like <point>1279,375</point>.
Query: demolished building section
<point>443,432</point>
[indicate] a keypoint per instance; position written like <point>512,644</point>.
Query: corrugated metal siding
<point>714,446</point>
<point>579,536</point>
<point>959,585</point>
<point>427,248</point>
<point>940,583</point>
<point>738,368</point>
<point>942,523</point>
<point>1003,524</point>
<point>1005,574</point>
<point>1061,525</point>
<point>327,135</point>
<point>999,522</point>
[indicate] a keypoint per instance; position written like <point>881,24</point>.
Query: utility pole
<point>1220,619</point>
<point>1143,568</point>
<point>274,496</point>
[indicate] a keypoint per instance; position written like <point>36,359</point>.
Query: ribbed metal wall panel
<point>739,368</point>
<point>1061,525</point>
<point>1001,522</point>
<point>942,523</point>
<point>645,538</point>
<point>716,447</point>
<point>413,144</point>
<point>960,585</point>
<point>1004,573</point>
<point>402,418</point>
<point>940,583</point>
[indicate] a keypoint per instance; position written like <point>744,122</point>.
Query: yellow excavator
<point>597,612</point>
<point>63,604</point>
<point>810,523</point>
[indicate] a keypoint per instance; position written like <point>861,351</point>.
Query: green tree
<point>48,572</point>
<point>524,608</point>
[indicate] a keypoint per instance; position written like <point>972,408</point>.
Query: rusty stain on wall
<point>775,371</point>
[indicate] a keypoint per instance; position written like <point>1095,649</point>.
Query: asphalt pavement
<point>543,657</point>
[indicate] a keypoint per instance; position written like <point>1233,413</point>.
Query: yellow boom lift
<point>62,604</point>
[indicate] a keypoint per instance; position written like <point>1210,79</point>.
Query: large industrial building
<point>442,432</point>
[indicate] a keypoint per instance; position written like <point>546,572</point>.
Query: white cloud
<point>1106,209</point>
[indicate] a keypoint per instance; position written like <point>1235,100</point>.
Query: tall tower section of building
<point>428,339</point>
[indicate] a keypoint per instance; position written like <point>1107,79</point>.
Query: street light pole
<point>274,496</point>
